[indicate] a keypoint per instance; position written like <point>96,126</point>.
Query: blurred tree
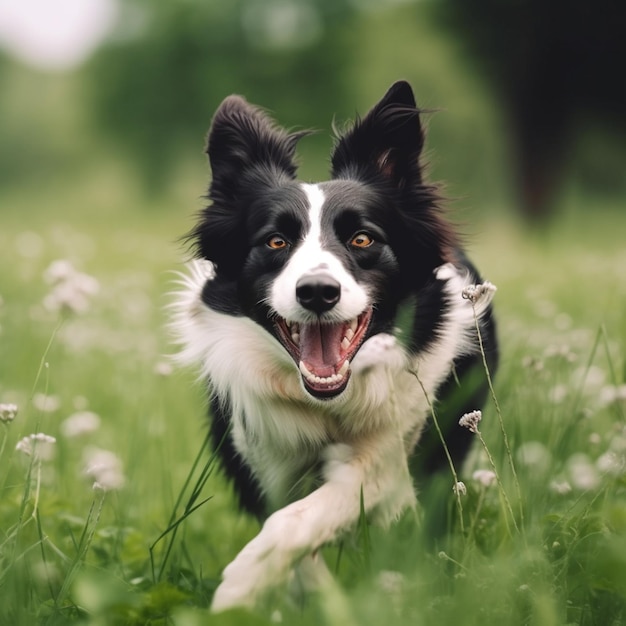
<point>557,66</point>
<point>157,82</point>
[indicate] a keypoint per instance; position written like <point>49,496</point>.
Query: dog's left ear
<point>386,143</point>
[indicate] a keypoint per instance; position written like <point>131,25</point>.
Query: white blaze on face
<point>308,259</point>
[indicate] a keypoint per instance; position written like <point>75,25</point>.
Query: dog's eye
<point>277,242</point>
<point>361,240</point>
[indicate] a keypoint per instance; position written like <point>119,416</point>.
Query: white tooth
<point>349,334</point>
<point>354,324</point>
<point>345,344</point>
<point>329,380</point>
<point>305,372</point>
<point>295,337</point>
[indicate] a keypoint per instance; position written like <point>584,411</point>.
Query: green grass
<point>152,552</point>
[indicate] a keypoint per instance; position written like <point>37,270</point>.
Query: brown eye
<point>361,240</point>
<point>277,242</point>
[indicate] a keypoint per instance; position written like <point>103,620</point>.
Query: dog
<point>329,322</point>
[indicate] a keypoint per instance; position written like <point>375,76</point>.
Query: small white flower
<point>8,412</point>
<point>582,473</point>
<point>610,463</point>
<point>163,368</point>
<point>105,468</point>
<point>37,445</point>
<point>611,394</point>
<point>485,477</point>
<point>562,487</point>
<point>71,289</point>
<point>595,439</point>
<point>471,420</point>
<point>459,488</point>
<point>558,393</point>
<point>58,271</point>
<point>80,423</point>
<point>45,403</point>
<point>534,455</point>
<point>481,291</point>
<point>391,582</point>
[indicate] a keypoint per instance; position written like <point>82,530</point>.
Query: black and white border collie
<point>327,318</point>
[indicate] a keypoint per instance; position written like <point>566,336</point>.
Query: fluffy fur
<point>326,319</point>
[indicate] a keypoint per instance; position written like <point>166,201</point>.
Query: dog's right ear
<point>247,151</point>
<point>244,141</point>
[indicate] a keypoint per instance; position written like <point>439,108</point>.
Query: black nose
<point>318,293</point>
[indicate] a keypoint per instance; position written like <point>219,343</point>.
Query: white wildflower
<point>611,394</point>
<point>471,420</point>
<point>38,445</point>
<point>484,476</point>
<point>610,463</point>
<point>46,403</point>
<point>8,412</point>
<point>592,377</point>
<point>80,423</point>
<point>582,473</point>
<point>459,488</point>
<point>562,487</point>
<point>390,581</point>
<point>558,393</point>
<point>481,291</point>
<point>58,271</point>
<point>163,368</point>
<point>71,289</point>
<point>595,439</point>
<point>534,455</point>
<point>105,468</point>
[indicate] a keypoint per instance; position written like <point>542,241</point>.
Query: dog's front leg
<point>377,469</point>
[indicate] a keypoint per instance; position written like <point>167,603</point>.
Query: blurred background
<point>104,104</point>
<point>104,110</point>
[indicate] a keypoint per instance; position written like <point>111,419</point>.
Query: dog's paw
<point>264,563</point>
<point>377,350</point>
<point>246,578</point>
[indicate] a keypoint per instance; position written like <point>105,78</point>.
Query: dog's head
<point>321,267</point>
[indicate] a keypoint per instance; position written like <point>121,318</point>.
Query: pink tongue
<point>320,346</point>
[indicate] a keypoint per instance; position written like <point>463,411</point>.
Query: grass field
<point>97,380</point>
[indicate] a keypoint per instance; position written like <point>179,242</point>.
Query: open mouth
<point>323,351</point>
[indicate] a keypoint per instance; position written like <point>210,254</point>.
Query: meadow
<point>116,514</point>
